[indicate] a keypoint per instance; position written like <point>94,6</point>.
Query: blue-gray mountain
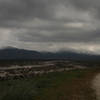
<point>11,53</point>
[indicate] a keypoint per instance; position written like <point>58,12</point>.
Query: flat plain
<point>73,84</point>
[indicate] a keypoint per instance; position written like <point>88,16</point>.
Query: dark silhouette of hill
<point>11,53</point>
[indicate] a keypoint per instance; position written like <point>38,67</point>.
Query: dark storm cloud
<point>87,5</point>
<point>21,9</point>
<point>49,22</point>
<point>58,37</point>
<point>17,11</point>
<point>14,12</point>
<point>27,9</point>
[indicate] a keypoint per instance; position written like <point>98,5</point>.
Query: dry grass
<point>70,85</point>
<point>77,87</point>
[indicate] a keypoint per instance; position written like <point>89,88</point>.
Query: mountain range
<point>11,53</point>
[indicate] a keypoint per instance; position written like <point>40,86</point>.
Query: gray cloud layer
<point>50,25</point>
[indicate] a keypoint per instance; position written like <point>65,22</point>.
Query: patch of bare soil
<point>96,85</point>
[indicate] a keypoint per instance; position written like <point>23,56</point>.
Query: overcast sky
<point>51,25</point>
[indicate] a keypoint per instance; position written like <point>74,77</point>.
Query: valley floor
<point>66,85</point>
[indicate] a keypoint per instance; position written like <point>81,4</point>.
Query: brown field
<point>66,85</point>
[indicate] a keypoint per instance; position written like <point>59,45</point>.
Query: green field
<point>70,85</point>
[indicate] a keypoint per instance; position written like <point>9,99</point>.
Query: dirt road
<point>96,86</point>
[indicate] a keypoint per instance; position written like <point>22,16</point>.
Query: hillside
<point>11,53</point>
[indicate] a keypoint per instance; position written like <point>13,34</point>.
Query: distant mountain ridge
<point>11,53</point>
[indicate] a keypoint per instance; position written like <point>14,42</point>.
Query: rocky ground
<point>17,71</point>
